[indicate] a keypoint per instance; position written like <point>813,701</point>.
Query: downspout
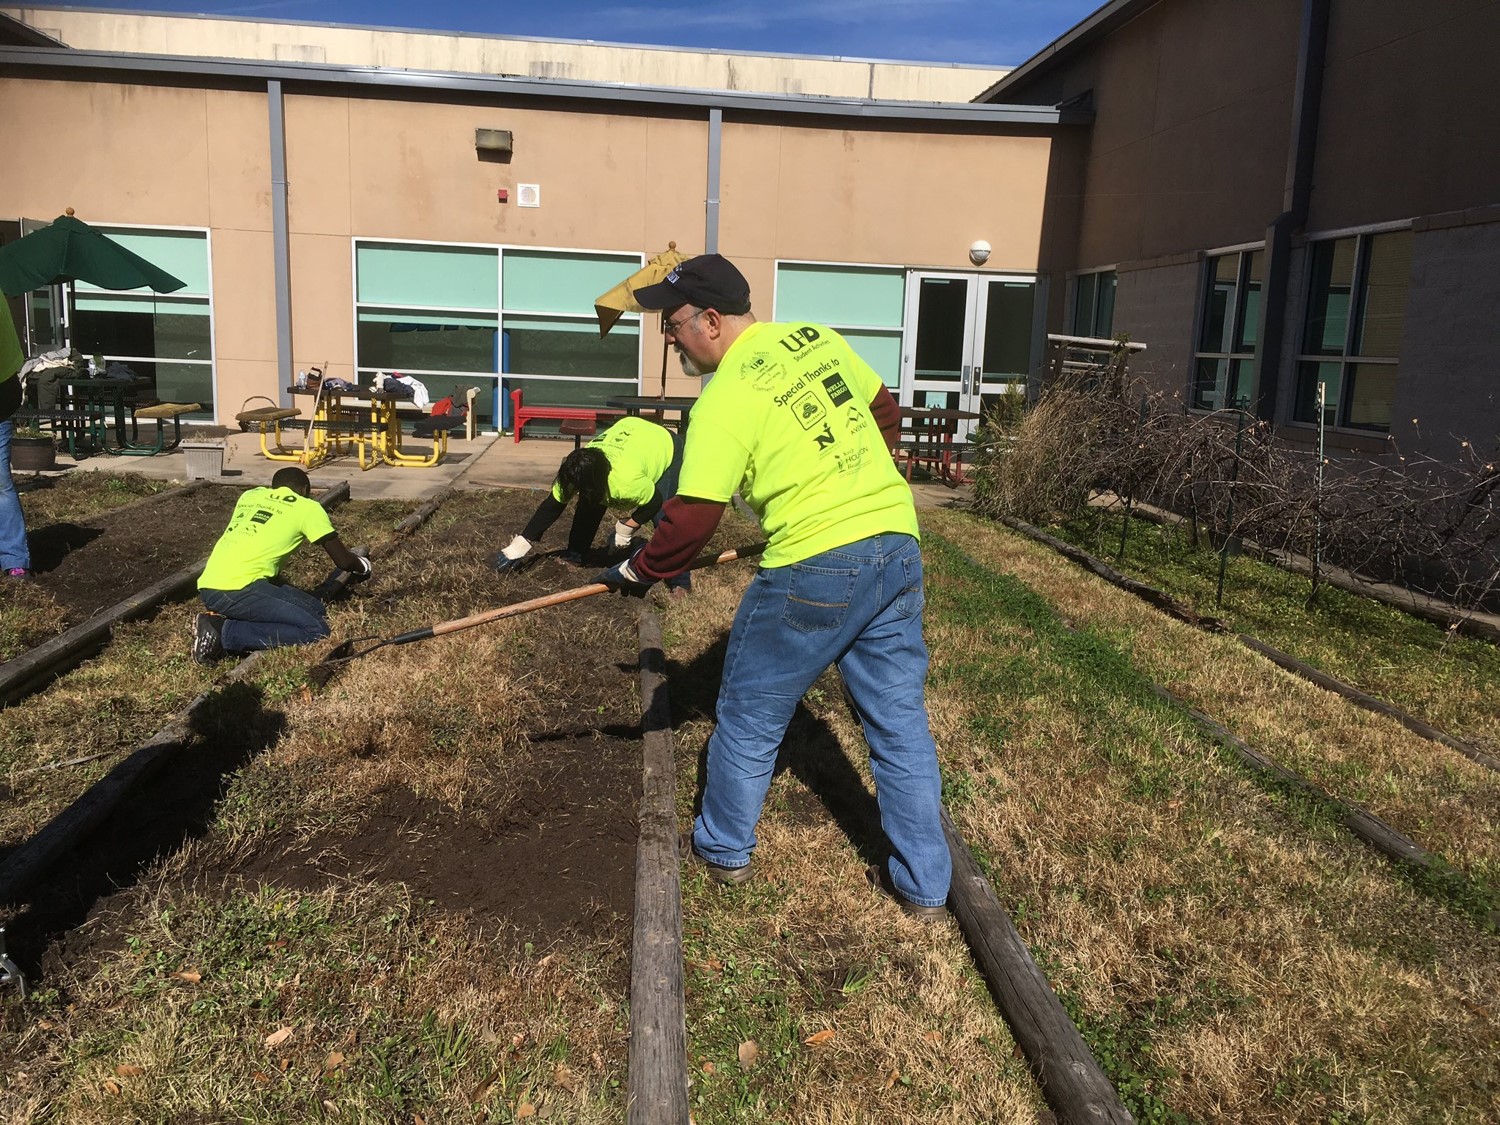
<point>280,247</point>
<point>1312,52</point>
<point>711,211</point>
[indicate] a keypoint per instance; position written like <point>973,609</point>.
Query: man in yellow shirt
<point>802,428</point>
<point>632,465</point>
<point>250,608</point>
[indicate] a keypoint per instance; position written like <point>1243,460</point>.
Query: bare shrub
<point>1429,524</point>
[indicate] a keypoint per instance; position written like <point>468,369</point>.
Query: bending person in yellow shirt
<point>632,465</point>
<point>249,606</point>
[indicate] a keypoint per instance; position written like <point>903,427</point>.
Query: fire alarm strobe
<point>502,196</point>
<point>528,195</point>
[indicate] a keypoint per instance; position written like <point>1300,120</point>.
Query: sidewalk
<point>488,462</point>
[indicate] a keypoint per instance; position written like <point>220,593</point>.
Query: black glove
<point>622,579</point>
<point>362,572</point>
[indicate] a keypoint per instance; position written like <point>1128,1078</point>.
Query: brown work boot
<point>727,876</point>
<point>879,877</point>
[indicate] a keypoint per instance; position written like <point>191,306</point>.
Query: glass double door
<point>970,340</point>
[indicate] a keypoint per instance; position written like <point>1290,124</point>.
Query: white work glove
<point>512,554</point>
<point>363,570</point>
<point>623,532</point>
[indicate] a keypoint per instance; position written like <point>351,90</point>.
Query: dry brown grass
<point>1446,802</point>
<point>1277,970</point>
<point>807,947</point>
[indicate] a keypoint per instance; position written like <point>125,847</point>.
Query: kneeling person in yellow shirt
<point>250,608</point>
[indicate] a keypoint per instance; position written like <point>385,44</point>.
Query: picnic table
<point>635,405</point>
<point>930,438</point>
<point>357,420</point>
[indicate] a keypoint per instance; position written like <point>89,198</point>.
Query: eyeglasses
<point>672,327</point>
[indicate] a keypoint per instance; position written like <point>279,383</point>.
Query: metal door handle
<point>964,383</point>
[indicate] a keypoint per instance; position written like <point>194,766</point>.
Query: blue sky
<point>989,32</point>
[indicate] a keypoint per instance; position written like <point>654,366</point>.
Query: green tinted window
<point>458,277</point>
<point>841,296</point>
<point>551,282</point>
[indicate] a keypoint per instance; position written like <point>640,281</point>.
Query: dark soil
<point>549,857</point>
<point>94,563</point>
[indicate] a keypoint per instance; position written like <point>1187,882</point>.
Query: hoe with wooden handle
<point>344,653</point>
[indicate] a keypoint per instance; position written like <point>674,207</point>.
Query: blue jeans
<point>13,549</point>
<point>267,615</point>
<point>859,606</point>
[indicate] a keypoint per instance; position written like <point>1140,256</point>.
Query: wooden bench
<point>158,413</point>
<point>521,413</point>
<point>268,420</point>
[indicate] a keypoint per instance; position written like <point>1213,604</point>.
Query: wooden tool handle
<point>574,594</point>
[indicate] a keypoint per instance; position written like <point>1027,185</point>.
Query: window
<point>164,337</point>
<point>550,332</point>
<point>1351,339</point>
<point>461,316</point>
<point>1224,364</point>
<point>864,304</point>
<point>1094,303</point>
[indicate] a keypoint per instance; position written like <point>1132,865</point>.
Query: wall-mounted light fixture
<point>494,143</point>
<point>979,252</point>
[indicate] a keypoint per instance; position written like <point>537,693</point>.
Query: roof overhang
<point>13,30</point>
<point>1107,19</point>
<point>117,67</point>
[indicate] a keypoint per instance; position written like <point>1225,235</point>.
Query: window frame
<point>852,331</point>
<point>630,261</point>
<point>1354,323</point>
<point>1244,254</point>
<point>147,299</point>
<point>1075,288</point>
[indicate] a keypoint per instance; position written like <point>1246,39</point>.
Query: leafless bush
<point>1428,524</point>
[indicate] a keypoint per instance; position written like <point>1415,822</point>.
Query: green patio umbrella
<point>71,250</point>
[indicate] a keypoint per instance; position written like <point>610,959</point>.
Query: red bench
<point>521,414</point>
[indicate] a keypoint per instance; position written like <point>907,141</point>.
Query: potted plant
<point>31,450</point>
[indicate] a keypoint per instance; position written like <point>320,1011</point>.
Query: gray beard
<point>689,368</point>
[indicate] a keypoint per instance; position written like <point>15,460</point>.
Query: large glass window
<point>164,338</point>
<point>1094,303</point>
<point>1352,330</point>
<point>864,304</point>
<point>459,316</point>
<point>1224,363</point>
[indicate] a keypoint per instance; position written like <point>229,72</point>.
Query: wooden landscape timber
<point>37,667</point>
<point>1171,606</point>
<point>1071,1079</point>
<point>656,1070</point>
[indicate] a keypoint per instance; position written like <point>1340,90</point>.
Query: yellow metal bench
<point>159,413</point>
<point>268,420</point>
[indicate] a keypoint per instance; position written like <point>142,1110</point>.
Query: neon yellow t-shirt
<point>268,524</point>
<point>786,421</point>
<point>639,453</point>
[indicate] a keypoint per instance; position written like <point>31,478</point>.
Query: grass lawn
<point>401,902</point>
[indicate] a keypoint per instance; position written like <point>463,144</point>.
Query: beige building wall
<point>210,37</point>
<point>400,168</point>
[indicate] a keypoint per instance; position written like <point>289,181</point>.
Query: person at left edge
<point>632,465</point>
<point>249,606</point>
<point>15,555</point>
